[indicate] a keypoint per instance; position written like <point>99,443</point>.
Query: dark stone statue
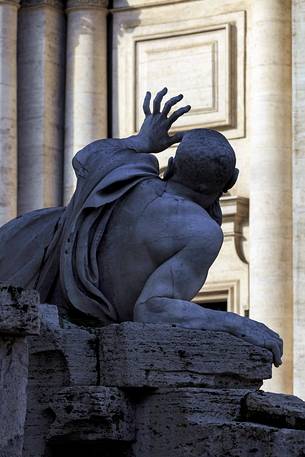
<point>131,245</point>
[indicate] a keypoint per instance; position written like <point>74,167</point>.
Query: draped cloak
<point>55,247</point>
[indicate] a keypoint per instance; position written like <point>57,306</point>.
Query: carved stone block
<point>202,422</point>
<point>73,346</point>
<point>92,414</point>
<point>278,410</point>
<point>139,355</point>
<point>59,357</point>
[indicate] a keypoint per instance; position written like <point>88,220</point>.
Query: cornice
<point>86,4</point>
<point>38,3</point>
<point>10,2</point>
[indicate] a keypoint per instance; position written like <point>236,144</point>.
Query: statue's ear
<point>232,180</point>
<point>170,169</point>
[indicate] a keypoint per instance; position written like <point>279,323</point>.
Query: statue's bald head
<point>205,161</point>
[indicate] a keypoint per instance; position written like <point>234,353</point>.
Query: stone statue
<point>131,245</point>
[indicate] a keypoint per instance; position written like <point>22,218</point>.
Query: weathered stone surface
<point>59,357</point>
<point>13,400</point>
<point>18,311</point>
<point>138,355</point>
<point>206,423</point>
<point>92,414</point>
<point>18,317</point>
<point>274,409</point>
<point>75,346</point>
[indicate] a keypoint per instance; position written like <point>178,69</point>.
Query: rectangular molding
<point>202,57</point>
<point>223,290</point>
<point>202,60</point>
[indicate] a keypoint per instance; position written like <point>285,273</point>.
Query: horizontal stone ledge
<point>92,414</point>
<point>156,355</point>
<point>277,410</point>
<point>209,422</point>
<point>230,439</point>
<point>18,311</point>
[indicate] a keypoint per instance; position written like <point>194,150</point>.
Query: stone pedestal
<point>18,318</point>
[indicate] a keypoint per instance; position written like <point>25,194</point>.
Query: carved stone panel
<point>207,89</point>
<point>202,57</point>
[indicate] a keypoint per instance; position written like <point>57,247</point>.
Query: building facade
<point>76,71</point>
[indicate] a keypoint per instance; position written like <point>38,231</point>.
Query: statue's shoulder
<point>177,213</point>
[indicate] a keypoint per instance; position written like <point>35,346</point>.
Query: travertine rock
<point>18,311</point>
<point>75,346</point>
<point>138,355</point>
<point>92,414</point>
<point>207,423</point>
<point>278,410</point>
<point>157,402</point>
<point>18,318</point>
<point>13,398</point>
<point>59,357</point>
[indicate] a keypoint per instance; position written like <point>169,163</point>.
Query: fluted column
<point>299,194</point>
<point>41,73</point>
<point>270,179</point>
<point>8,109</point>
<point>86,80</point>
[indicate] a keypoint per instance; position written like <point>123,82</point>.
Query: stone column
<point>270,179</point>
<point>86,80</point>
<point>41,54</point>
<point>299,194</point>
<point>8,115</point>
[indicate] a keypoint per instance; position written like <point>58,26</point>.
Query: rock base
<point>18,318</point>
<point>136,390</point>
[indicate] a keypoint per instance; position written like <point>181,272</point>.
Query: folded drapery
<point>57,247</point>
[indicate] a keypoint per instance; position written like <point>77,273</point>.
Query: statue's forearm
<point>137,143</point>
<point>185,314</point>
<point>190,315</point>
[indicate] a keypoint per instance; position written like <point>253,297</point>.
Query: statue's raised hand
<point>153,135</point>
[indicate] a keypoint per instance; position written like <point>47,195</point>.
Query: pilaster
<point>41,67</point>
<point>8,109</point>
<point>86,80</point>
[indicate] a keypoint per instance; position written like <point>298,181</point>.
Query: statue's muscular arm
<point>166,295</point>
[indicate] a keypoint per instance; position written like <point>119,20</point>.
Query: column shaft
<point>41,71</point>
<point>86,81</point>
<point>8,110</point>
<point>299,194</point>
<point>270,185</point>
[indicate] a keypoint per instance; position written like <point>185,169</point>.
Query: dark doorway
<point>216,305</point>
